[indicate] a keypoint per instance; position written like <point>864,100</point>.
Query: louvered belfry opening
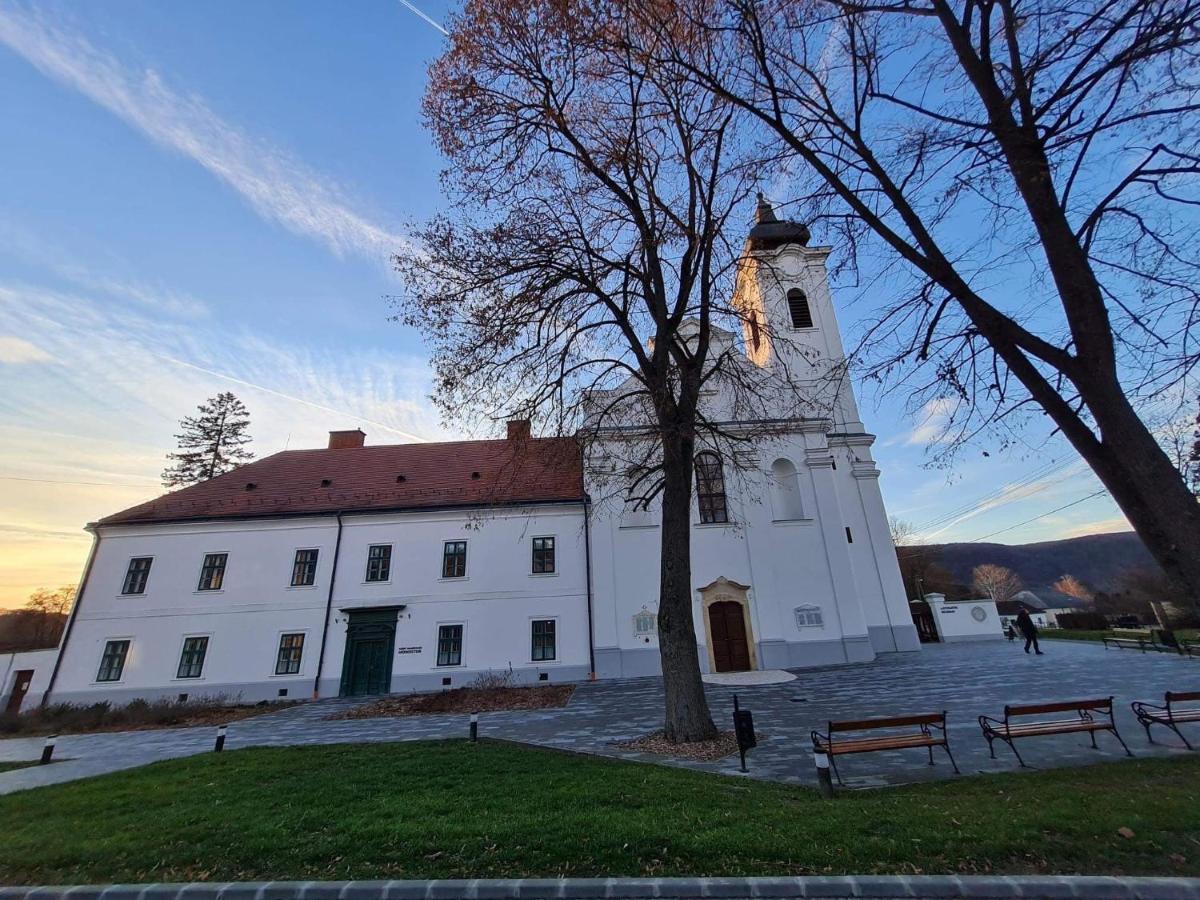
<point>798,307</point>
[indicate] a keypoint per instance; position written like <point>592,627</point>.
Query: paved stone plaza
<point>966,680</point>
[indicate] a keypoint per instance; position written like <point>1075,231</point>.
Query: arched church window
<point>798,308</point>
<point>785,491</point>
<point>755,335</point>
<point>710,488</point>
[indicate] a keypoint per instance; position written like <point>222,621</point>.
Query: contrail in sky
<point>434,22</point>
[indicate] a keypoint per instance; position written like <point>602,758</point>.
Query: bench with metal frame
<point>1136,639</point>
<point>1091,716</point>
<point>931,732</point>
<point>1168,714</point>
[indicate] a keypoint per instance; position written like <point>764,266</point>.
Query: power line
<point>966,509</point>
<point>1042,516</point>
<point>84,483</point>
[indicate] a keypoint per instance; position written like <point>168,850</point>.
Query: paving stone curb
<point>869,887</point>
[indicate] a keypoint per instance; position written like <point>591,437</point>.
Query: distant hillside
<point>1095,559</point>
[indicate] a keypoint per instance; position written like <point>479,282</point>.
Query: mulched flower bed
<point>136,716</point>
<point>464,700</point>
<point>719,747</point>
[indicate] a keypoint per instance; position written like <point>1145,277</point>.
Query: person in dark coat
<point>1029,630</point>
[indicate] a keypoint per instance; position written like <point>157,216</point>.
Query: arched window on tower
<point>798,309</point>
<point>785,491</point>
<point>710,489</point>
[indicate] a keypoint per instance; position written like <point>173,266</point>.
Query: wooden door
<point>369,670</point>
<point>727,630</point>
<point>21,683</point>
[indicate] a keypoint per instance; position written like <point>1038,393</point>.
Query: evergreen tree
<point>211,443</point>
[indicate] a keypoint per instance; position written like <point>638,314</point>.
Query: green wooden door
<point>369,670</point>
<point>367,664</point>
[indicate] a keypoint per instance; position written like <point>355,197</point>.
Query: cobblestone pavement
<point>966,680</point>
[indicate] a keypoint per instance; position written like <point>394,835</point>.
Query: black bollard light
<point>474,727</point>
<point>824,779</point>
<point>220,745</point>
<point>48,749</point>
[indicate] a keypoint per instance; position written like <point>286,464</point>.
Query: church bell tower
<point>788,319</point>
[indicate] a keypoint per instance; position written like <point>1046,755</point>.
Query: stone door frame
<point>723,589</point>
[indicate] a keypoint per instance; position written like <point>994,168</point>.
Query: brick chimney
<point>346,440</point>
<point>518,430</point>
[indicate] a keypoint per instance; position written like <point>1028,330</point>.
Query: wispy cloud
<point>933,422</point>
<point>277,186</point>
<point>17,351</point>
<point>20,242</point>
<point>1095,526</point>
<point>83,440</point>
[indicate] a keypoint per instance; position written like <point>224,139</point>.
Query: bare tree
<point>903,533</point>
<point>588,276</point>
<point>997,582</point>
<point>1019,177</point>
<point>40,622</point>
<point>1073,587</point>
<point>1180,438</point>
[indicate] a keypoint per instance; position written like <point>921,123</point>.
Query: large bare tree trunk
<point>687,714</point>
<point>1146,486</point>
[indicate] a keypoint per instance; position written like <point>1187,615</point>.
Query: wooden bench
<point>1090,716</point>
<point>1169,714</point>
<point>1135,639</point>
<point>930,732</point>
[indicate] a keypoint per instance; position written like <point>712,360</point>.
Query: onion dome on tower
<point>770,232</point>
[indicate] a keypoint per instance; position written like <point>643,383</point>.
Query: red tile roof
<point>389,477</point>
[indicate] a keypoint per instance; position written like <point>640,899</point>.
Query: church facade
<point>359,569</point>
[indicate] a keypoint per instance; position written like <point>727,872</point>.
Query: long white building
<point>359,569</point>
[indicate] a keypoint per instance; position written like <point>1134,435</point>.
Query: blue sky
<point>202,197</point>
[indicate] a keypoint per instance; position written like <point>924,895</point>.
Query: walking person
<point>1029,630</point>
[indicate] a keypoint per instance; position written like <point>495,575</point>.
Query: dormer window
<point>798,309</point>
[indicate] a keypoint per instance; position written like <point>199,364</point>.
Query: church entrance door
<point>727,628</point>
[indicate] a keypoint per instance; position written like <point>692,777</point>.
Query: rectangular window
<point>191,660</point>
<point>137,575</point>
<point>379,562</point>
<point>291,649</point>
<point>212,573</point>
<point>112,663</point>
<point>304,569</point>
<point>543,555</point>
<point>543,640</point>
<point>450,645</point>
<point>454,559</point>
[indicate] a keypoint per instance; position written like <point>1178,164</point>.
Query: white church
<point>363,569</point>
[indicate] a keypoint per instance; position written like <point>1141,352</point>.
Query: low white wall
<point>40,661</point>
<point>965,620</point>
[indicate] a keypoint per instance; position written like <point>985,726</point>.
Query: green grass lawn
<point>1072,634</point>
<point>7,766</point>
<point>455,810</point>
